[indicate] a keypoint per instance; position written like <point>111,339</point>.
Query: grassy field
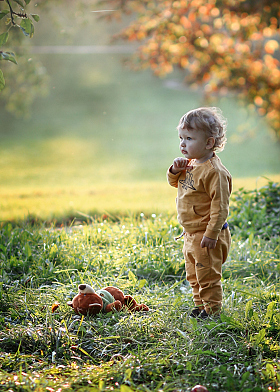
<point>159,350</point>
<point>62,204</point>
<point>104,137</point>
<point>99,145</point>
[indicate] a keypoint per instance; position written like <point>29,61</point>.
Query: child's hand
<point>180,164</point>
<point>208,243</point>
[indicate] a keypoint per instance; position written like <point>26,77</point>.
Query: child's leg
<point>208,268</point>
<point>209,271</point>
<point>190,268</point>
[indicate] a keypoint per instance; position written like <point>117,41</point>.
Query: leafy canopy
<point>220,44</point>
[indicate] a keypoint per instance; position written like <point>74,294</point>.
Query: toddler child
<point>204,187</point>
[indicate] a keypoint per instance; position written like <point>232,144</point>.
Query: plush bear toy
<point>105,300</point>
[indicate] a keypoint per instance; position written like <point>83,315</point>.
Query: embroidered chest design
<point>188,181</point>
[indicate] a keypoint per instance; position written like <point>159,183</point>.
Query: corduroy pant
<point>204,269</point>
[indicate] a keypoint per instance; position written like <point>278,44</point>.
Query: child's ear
<point>210,143</point>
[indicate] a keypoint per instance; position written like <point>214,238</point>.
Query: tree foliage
<point>14,15</point>
<point>27,80</point>
<point>18,19</point>
<point>222,45</point>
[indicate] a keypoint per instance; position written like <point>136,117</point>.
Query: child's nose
<point>183,143</point>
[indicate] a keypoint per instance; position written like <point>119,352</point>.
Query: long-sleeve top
<point>203,196</point>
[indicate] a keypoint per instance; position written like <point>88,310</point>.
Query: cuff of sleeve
<point>212,234</point>
<point>171,174</point>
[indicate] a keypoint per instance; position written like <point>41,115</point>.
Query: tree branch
<point>12,13</point>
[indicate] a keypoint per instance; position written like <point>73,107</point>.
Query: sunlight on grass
<point>151,351</point>
<point>251,183</point>
<point>101,142</point>
<point>116,198</point>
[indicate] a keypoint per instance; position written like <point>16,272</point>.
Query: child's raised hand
<point>180,164</point>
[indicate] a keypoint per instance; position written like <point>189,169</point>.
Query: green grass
<point>162,350</point>
<point>100,144</point>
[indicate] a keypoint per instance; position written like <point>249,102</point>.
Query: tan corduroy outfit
<point>202,206</point>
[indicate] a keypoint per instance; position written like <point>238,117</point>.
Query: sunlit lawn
<point>117,199</point>
<point>102,140</point>
<point>161,350</point>
<point>100,143</point>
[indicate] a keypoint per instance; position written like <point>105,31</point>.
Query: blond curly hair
<point>209,120</point>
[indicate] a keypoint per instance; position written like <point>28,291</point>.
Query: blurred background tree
<point>26,79</point>
<point>22,88</point>
<point>220,45</point>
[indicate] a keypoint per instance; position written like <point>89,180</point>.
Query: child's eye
<point>189,138</point>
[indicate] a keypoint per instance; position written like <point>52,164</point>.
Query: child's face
<point>195,144</point>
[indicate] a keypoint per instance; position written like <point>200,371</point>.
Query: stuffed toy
<point>105,300</point>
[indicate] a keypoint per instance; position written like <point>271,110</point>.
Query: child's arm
<point>218,186</point>
<point>173,173</point>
